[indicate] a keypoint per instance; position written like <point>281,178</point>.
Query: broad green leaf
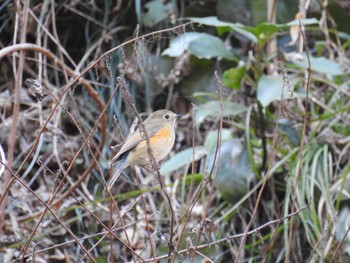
<point>201,45</point>
<point>267,29</point>
<point>235,172</point>
<point>182,159</point>
<point>232,77</point>
<point>304,21</point>
<point>179,45</point>
<point>208,47</point>
<point>157,11</point>
<point>210,21</point>
<point>244,32</point>
<point>223,26</point>
<point>341,227</point>
<point>212,138</point>
<point>213,109</point>
<point>344,35</point>
<point>270,89</point>
<point>320,64</point>
<point>264,32</point>
<point>234,169</point>
<point>287,127</point>
<point>346,44</point>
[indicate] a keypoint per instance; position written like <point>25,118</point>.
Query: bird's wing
<point>131,142</point>
<point>134,139</point>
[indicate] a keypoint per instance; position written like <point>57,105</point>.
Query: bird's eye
<point>167,116</point>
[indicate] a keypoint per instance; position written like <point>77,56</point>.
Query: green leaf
<point>264,31</point>
<point>235,170</point>
<point>179,45</point>
<point>244,32</point>
<point>213,109</point>
<point>182,159</point>
<point>201,45</point>
<point>305,21</point>
<point>344,35</point>
<point>232,77</point>
<point>208,47</point>
<point>267,29</point>
<point>212,138</point>
<point>210,21</point>
<point>270,89</point>
<point>320,64</point>
<point>287,127</point>
<point>224,26</point>
<point>157,11</point>
<point>346,44</point>
<point>341,227</point>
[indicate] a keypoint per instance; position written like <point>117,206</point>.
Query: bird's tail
<point>117,171</point>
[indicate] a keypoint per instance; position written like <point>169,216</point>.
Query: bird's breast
<point>161,144</point>
<point>162,136</point>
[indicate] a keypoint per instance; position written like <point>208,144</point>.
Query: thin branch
<point>51,212</point>
<point>303,136</point>
<point>229,238</point>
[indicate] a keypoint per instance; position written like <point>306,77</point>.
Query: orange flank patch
<point>163,134</point>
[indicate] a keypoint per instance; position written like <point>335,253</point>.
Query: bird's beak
<point>178,115</point>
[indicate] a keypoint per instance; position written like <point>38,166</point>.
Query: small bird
<point>160,127</point>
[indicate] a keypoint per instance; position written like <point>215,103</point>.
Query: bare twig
<point>154,164</point>
<point>18,73</point>
<point>47,208</point>
<point>216,160</point>
<point>340,244</point>
<point>229,238</point>
<point>266,177</point>
<point>302,143</point>
<point>92,92</point>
